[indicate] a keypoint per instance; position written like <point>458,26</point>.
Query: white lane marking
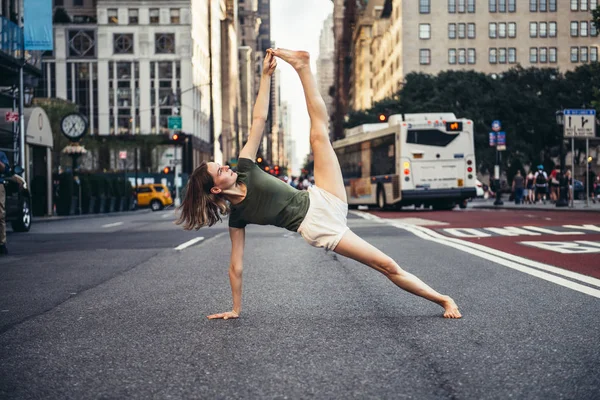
<point>169,214</point>
<point>508,260</point>
<point>189,243</point>
<point>112,225</point>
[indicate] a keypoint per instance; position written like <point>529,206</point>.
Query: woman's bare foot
<point>297,59</point>
<point>450,307</point>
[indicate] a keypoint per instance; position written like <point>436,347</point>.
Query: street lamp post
<point>563,185</point>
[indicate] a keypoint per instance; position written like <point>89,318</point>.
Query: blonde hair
<point>200,207</point>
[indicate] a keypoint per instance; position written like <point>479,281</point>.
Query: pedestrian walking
<point>518,187</point>
<point>530,188</point>
<point>541,184</point>
<point>254,197</point>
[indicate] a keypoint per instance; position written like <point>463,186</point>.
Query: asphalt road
<point>108,308</point>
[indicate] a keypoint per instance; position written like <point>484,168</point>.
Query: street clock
<point>74,126</point>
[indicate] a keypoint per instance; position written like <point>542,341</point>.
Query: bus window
<point>430,137</point>
<point>383,156</point>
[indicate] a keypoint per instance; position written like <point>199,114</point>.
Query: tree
<point>596,16</point>
<point>56,109</point>
<point>61,16</point>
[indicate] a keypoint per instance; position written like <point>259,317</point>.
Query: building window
<point>583,6</point>
<point>493,8</point>
<point>78,3</point>
<point>451,31</point>
<point>512,29</point>
<point>493,30</point>
<point>552,6</point>
<point>512,6</point>
<point>502,30</point>
<point>552,55</point>
<point>462,56</point>
<point>471,56</point>
<point>583,54</point>
<point>593,4</point>
<point>123,43</point>
<point>451,6</point>
<point>471,30</point>
<point>462,31</point>
<point>175,15</point>
<point>552,29</point>
<point>533,29</point>
<point>154,16</point>
<point>502,55</point>
<point>574,28</point>
<point>424,31</point>
<point>543,8</point>
<point>583,28</point>
<point>533,5</point>
<point>133,16</point>
<point>493,56</point>
<point>574,5</point>
<point>58,3</point>
<point>512,55</point>
<point>82,44</point>
<point>471,6</point>
<point>594,54</point>
<point>543,29</point>
<point>574,54</point>
<point>164,43</point>
<point>424,6</point>
<point>424,56</point>
<point>593,29</point>
<point>124,96</point>
<point>113,16</point>
<point>462,6</point>
<point>451,56</point>
<point>543,55</point>
<point>82,89</point>
<point>533,55</point>
<point>502,6</point>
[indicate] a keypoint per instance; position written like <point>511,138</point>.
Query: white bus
<point>413,159</point>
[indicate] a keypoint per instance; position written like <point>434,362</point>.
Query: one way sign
<point>580,123</point>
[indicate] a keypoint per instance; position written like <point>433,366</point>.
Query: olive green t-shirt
<point>268,201</point>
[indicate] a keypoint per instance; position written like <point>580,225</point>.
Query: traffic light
<point>590,159</point>
<point>382,118</point>
<point>259,160</point>
<point>175,136</point>
<point>166,170</point>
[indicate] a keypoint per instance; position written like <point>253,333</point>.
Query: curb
<point>563,209</point>
<point>44,220</point>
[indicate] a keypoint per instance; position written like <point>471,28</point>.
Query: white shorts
<point>325,222</point>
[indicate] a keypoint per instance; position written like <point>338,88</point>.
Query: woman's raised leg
<point>328,175</point>
<point>354,247</point>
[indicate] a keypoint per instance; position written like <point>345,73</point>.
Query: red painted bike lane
<point>569,240</point>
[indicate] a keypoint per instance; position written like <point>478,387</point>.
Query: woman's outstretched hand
<point>270,63</point>
<point>225,315</point>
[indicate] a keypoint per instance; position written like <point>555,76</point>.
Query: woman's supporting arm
<point>238,239</point>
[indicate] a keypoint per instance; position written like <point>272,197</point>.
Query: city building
<point>488,36</point>
<point>326,63</point>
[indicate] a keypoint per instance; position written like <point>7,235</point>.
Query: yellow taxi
<point>154,195</point>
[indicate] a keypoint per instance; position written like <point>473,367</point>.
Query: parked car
<point>154,195</point>
<point>18,204</point>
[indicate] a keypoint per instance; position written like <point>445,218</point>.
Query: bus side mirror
<point>18,170</point>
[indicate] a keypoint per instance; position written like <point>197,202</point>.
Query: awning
<point>37,128</point>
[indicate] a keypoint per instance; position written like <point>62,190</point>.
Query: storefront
<point>38,155</point>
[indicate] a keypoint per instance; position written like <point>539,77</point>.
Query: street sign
<point>174,122</point>
<point>123,155</point>
<point>501,141</point>
<point>11,116</point>
<point>174,162</point>
<point>580,123</point>
<point>496,126</point>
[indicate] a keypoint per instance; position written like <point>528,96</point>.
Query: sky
<point>297,25</point>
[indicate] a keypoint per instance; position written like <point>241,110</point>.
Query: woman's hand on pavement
<point>225,315</point>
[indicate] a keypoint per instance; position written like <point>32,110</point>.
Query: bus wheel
<point>463,204</point>
<point>381,199</point>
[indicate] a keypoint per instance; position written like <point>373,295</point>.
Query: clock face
<point>74,126</point>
